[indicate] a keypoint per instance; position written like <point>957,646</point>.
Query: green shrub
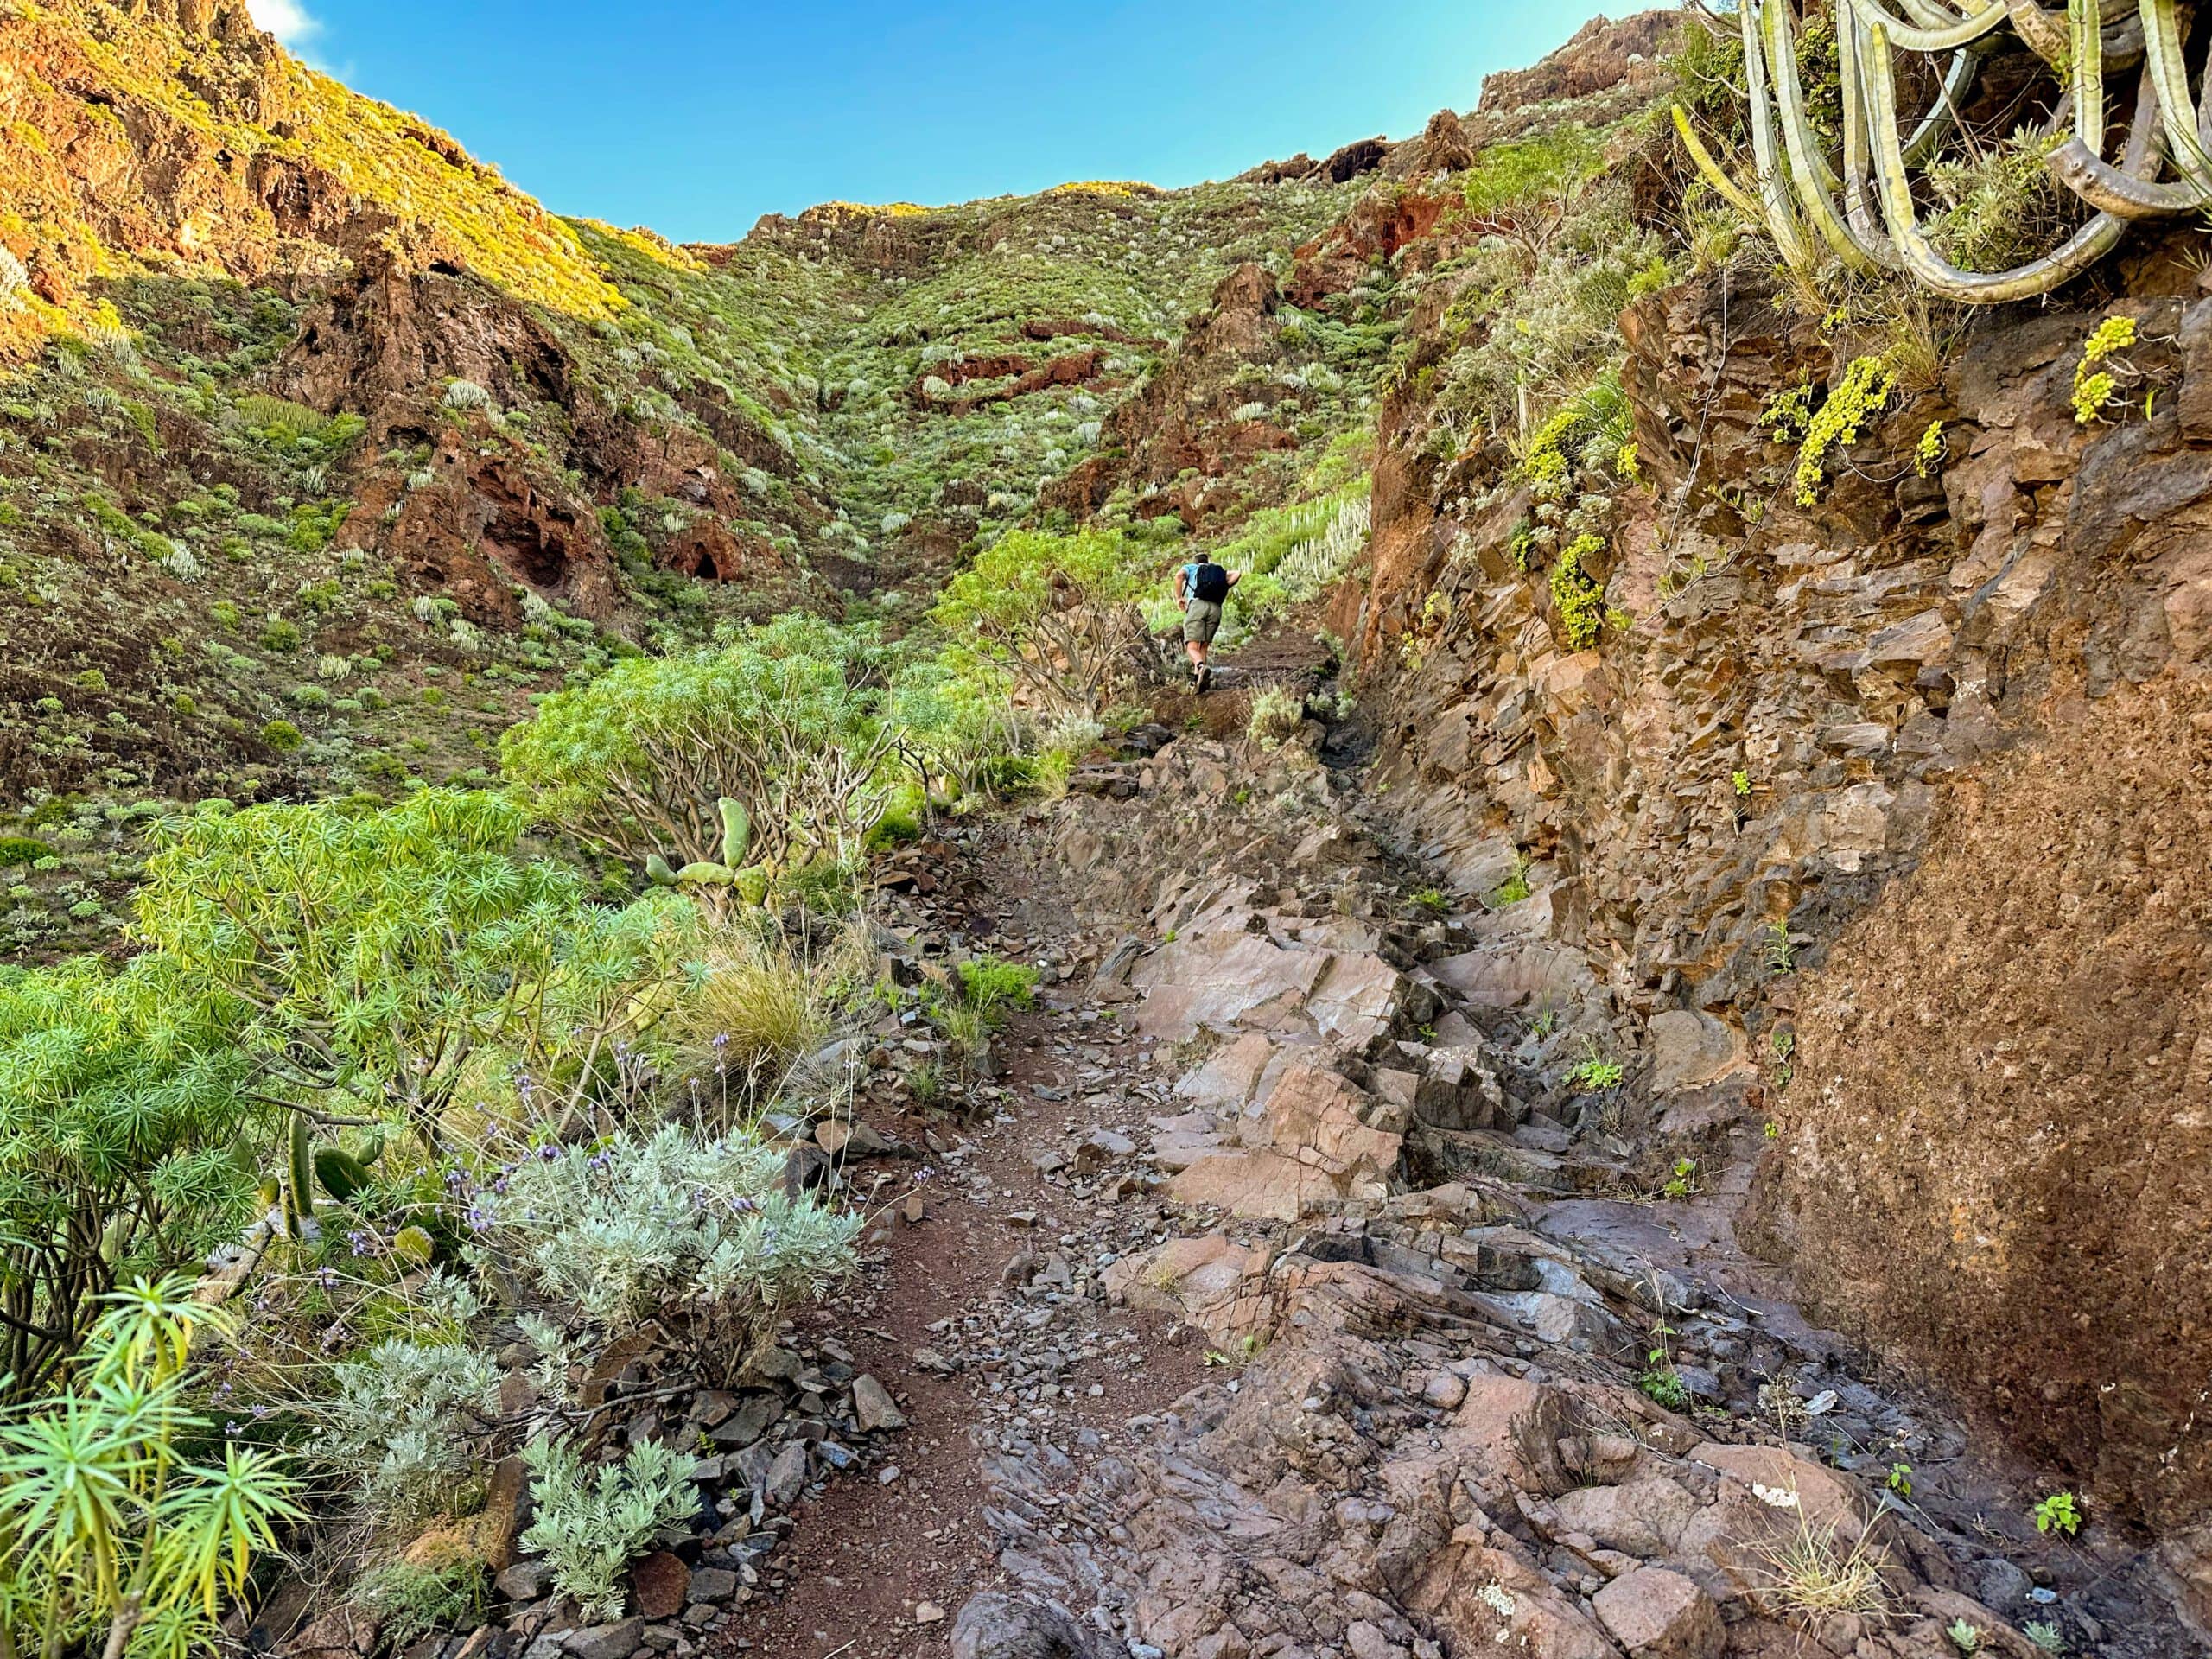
<point>1867,385</point>
<point>127,1103</point>
<point>1057,612</point>
<point>992,985</point>
<point>757,1006</point>
<point>283,736</point>
<point>2058,1513</point>
<point>1594,1070</point>
<point>2000,206</point>
<point>590,1523</point>
<point>1577,599</point>
<point>281,420</point>
<point>22,849</point>
<point>121,1528</point>
<point>636,761</point>
<point>418,1601</point>
<point>403,1420</point>
<point>1276,716</point>
<point>1548,171</point>
<point>378,951</point>
<point>902,820</point>
<point>695,1232</point>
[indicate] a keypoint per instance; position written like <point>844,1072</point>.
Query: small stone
<point>873,1406</point>
<point>616,1641</point>
<point>659,1585</point>
<point>887,1475</point>
<point>777,1365</point>
<point>525,1580</point>
<point>785,1478</point>
<point>1445,1391</point>
<point>928,1613</point>
<point>712,1583</point>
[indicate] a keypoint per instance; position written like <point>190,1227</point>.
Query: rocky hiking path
<point>977,1310</point>
<point>1285,1295</point>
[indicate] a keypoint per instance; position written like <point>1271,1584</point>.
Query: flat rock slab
<point>1657,1614</point>
<point>1265,1185</point>
<point>1533,971</point>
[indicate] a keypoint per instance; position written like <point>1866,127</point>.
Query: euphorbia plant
<point>112,1536</point>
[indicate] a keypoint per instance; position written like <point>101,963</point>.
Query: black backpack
<point>1210,582</point>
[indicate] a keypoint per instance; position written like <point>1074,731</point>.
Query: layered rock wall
<point>1904,788</point>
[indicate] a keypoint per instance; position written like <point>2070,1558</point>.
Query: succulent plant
<point>1859,209</point>
<point>750,884</point>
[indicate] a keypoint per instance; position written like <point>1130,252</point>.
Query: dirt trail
<point>948,1318</point>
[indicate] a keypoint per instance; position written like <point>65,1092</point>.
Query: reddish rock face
<point>388,337</point>
<point>1942,737</point>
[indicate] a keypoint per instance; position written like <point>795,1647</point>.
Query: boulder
<point>1209,1282</point>
<point>996,1626</point>
<point>1644,1517</point>
<point>1457,1090</point>
<point>1658,1614</point>
<point>1320,1117</point>
<point>1511,976</point>
<point>1229,1079</point>
<point>1264,1186</point>
<point>1689,1048</point>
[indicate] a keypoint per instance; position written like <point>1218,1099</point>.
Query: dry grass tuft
<point>1811,1578</point>
<point>761,1002</point>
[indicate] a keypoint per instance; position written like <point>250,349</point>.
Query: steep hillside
<point>1813,677</point>
<point>325,449</point>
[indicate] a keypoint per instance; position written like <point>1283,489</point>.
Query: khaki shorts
<point>1201,621</point>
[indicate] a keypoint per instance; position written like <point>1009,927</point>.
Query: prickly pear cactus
<point>707,878</point>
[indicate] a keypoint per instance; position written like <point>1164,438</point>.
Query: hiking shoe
<point>1204,678</point>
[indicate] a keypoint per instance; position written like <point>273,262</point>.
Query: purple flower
<point>326,1277</point>
<point>549,1151</point>
<point>359,1242</point>
<point>259,1412</point>
<point>231,1427</point>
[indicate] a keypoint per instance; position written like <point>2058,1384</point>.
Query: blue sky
<point>695,119</point>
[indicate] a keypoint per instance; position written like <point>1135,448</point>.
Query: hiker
<point>1200,588</point>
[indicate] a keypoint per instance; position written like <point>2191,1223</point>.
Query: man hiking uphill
<point>1201,587</point>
